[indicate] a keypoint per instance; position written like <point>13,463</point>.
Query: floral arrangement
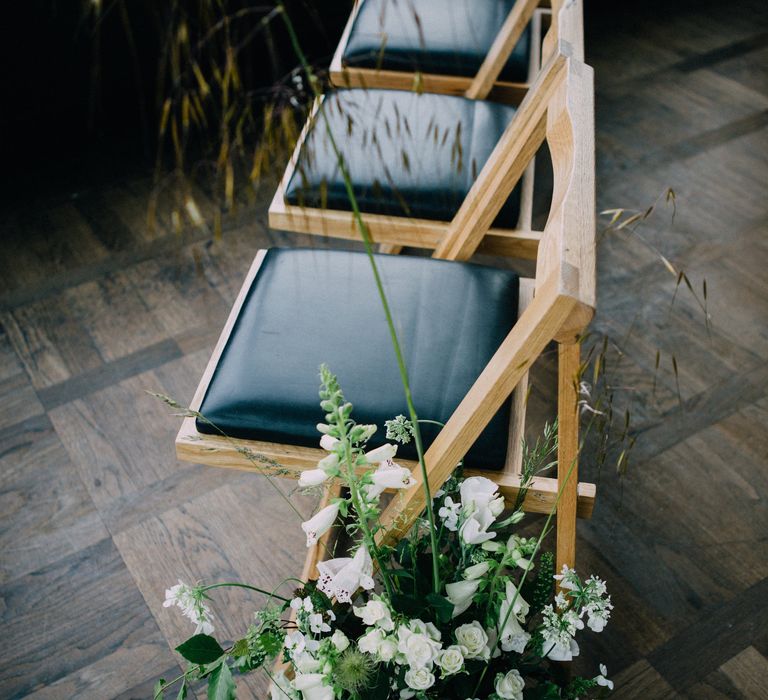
<point>469,611</point>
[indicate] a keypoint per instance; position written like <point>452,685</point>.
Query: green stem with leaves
<point>368,243</point>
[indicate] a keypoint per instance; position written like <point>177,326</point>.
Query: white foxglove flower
<point>329,462</point>
<point>476,571</point>
<point>474,532</point>
<point>478,493</point>
<point>419,678</point>
<point>311,686</point>
<point>473,638</point>
<point>320,523</point>
<point>340,578</point>
<point>389,476</point>
<point>461,594</point>
<point>513,636</point>
<point>328,443</point>
<point>602,680</point>
<point>510,686</point>
<point>381,454</point>
<point>312,477</point>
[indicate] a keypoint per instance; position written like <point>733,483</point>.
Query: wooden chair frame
<point>396,232</point>
<point>484,84</point>
<point>555,306</point>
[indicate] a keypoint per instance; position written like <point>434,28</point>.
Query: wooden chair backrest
<point>560,110</point>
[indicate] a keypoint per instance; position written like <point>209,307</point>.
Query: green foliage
<point>200,649</point>
<point>221,686</point>
<point>578,688</point>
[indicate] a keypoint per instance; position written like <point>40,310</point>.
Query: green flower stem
<point>243,585</point>
<point>354,490</point>
<point>387,312</point>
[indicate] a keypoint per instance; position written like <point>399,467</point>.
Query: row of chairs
<point>434,166</point>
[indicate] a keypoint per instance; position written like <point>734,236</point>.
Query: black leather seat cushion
<point>309,306</point>
<point>447,37</point>
<point>408,154</point>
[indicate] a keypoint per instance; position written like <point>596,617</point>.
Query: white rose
<point>473,638</point>
<point>451,660</point>
<point>419,678</point>
<point>370,641</point>
<point>418,649</point>
<point>305,662</point>
<point>387,650</point>
<point>510,686</point>
<point>339,640</point>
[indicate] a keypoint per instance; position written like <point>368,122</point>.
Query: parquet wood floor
<point>97,517</point>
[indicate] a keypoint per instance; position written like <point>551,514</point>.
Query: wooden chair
<point>556,305</point>
<point>413,159</point>
<point>455,47</point>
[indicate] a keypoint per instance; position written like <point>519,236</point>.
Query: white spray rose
<point>510,686</point>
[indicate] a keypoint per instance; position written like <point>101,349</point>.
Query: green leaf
<point>157,693</point>
<point>182,691</point>
<point>220,684</point>
<point>442,606</point>
<point>200,649</point>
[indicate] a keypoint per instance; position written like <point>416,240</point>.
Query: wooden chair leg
<point>569,359</point>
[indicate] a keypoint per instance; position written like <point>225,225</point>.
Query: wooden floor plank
<point>65,607</point>
<point>45,511</point>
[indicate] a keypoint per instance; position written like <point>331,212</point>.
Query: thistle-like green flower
<point>354,670</point>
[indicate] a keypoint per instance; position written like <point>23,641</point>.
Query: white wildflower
<point>602,679</point>
<point>450,514</point>
<point>190,601</point>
